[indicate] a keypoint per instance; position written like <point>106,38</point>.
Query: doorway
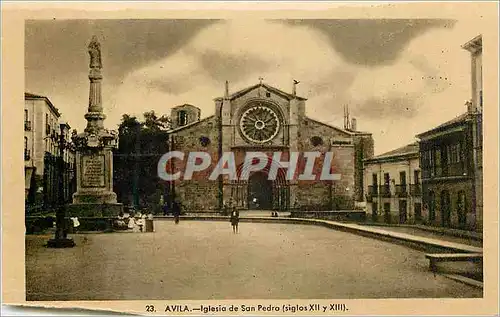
<point>445,208</point>
<point>462,219</point>
<point>402,211</point>
<point>260,192</point>
<point>418,212</point>
<point>387,212</point>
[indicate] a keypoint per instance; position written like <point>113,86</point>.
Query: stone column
<point>94,152</point>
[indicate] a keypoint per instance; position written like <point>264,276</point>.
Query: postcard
<point>251,158</point>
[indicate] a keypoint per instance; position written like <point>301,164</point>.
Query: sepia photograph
<point>188,161</point>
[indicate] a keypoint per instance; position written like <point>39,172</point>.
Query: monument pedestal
<point>94,196</point>
<point>95,210</point>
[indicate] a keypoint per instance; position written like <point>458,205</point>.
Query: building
<point>69,158</point>
<point>264,119</point>
<point>41,148</point>
<point>451,160</point>
<point>475,47</point>
<point>448,173</point>
<point>392,186</point>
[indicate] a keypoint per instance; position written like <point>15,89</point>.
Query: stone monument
<point>94,196</point>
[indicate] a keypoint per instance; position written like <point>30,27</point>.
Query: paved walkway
<point>205,260</point>
<point>433,235</point>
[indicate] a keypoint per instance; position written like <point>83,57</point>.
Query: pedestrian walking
<point>176,210</point>
<point>235,219</point>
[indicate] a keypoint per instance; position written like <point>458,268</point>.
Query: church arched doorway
<point>260,191</point>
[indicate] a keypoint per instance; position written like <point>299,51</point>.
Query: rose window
<point>259,124</point>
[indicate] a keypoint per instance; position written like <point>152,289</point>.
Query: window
<point>374,179</point>
<point>182,118</point>
<point>416,177</point>
<point>26,116</point>
<point>454,155</point>
<point>402,178</point>
<point>204,141</point>
<point>25,143</point>
<point>430,163</point>
<point>387,179</point>
<point>47,124</point>
<point>316,140</point>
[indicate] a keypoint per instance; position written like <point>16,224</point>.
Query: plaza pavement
<point>205,260</point>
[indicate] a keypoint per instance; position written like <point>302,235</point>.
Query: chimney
<point>353,124</point>
<point>470,106</point>
<point>226,91</point>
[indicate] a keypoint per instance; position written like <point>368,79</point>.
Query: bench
<point>451,257</point>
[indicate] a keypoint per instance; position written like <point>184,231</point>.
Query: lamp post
<point>60,239</point>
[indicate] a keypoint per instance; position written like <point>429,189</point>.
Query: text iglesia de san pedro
<point>264,119</point>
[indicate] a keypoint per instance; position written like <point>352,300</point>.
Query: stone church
<point>262,118</point>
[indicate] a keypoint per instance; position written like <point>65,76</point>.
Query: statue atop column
<point>94,151</point>
<point>95,53</point>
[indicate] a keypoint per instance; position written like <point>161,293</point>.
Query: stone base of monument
<point>94,197</point>
<point>94,210</point>
<point>61,243</point>
<point>95,217</point>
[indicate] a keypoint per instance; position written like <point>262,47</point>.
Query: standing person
<point>131,223</point>
<point>235,219</point>
<point>76,224</point>
<point>176,210</point>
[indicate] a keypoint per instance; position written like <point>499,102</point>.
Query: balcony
<point>27,125</point>
<point>27,155</point>
<point>401,190</point>
<point>415,190</point>
<point>372,190</point>
<point>385,190</point>
<point>448,170</point>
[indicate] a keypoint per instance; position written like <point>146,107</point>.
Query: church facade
<point>264,119</point>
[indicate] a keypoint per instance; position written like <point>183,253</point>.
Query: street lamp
<point>60,239</point>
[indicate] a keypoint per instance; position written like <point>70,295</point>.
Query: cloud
<point>425,83</point>
<point>372,42</point>
<point>239,51</point>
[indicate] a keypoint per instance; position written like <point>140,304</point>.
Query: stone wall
<point>199,192</point>
<point>327,195</point>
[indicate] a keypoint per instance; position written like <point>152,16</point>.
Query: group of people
<point>135,222</point>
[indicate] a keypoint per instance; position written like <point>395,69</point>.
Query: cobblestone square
<point>201,260</point>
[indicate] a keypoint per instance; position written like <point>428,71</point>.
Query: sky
<point>398,77</point>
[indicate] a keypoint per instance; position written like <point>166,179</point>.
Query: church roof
<point>190,124</point>
<point>330,126</point>
<point>350,132</point>
<point>268,87</point>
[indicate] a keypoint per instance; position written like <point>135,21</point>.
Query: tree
<point>141,144</point>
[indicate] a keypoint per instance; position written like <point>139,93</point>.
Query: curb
<point>415,242</point>
<point>464,280</point>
